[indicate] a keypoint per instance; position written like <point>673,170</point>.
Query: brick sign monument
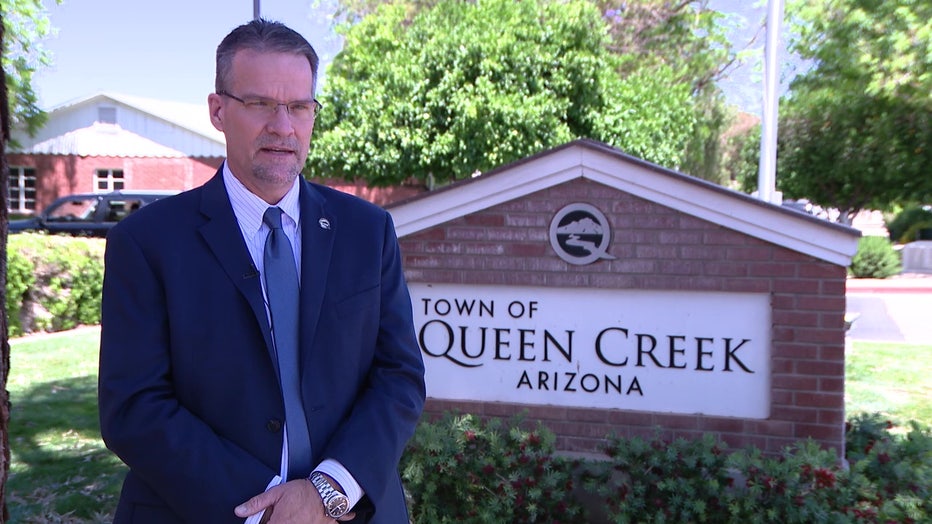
<point>601,294</point>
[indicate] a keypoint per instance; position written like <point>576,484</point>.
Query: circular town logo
<point>580,234</point>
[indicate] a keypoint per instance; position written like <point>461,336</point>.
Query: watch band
<point>336,504</point>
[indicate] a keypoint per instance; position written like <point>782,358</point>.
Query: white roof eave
<point>597,162</point>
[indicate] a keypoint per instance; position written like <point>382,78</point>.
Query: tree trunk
<point>4,329</point>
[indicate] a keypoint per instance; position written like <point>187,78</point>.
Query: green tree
<point>25,23</point>
<point>884,45</point>
<point>743,157</point>
<point>854,152</point>
<point>4,328</point>
<point>856,130</point>
<point>689,37</point>
<point>21,23</point>
<point>462,87</point>
<point>686,36</point>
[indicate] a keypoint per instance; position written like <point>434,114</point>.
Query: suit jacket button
<point>273,425</point>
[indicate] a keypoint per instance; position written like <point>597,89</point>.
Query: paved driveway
<point>891,317</point>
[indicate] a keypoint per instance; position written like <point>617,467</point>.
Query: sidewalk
<point>904,283</point>
<point>893,309</point>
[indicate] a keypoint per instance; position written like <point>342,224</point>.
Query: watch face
<point>338,506</point>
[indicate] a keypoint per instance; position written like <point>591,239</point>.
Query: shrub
<point>20,277</point>
<point>53,282</point>
<point>804,484</point>
<point>898,468</point>
<point>463,470</point>
<point>875,258</point>
<point>862,432</point>
<point>907,224</point>
<point>659,481</point>
<point>700,481</point>
<point>76,283</point>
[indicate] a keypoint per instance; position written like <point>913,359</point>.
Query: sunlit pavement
<point>897,309</point>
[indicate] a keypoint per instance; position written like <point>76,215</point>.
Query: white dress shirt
<point>249,209</point>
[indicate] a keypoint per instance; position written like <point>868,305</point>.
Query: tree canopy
<point>689,37</point>
<point>21,21</point>
<point>855,152</point>
<point>443,89</point>
<point>855,131</point>
<point>25,23</point>
<point>883,46</point>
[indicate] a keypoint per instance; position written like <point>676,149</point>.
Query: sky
<point>165,49</point>
<point>161,49</point>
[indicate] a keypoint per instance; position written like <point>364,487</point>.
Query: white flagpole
<point>767,170</point>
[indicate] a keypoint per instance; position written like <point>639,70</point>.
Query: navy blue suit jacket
<point>188,392</point>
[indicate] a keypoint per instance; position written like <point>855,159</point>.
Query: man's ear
<point>216,110</point>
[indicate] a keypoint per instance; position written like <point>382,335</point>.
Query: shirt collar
<point>249,208</point>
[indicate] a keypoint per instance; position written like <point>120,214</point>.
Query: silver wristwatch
<point>335,502</point>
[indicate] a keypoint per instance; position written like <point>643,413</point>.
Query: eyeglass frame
<point>317,105</point>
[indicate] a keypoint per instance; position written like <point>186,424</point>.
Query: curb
<point>879,286</point>
<point>868,290</point>
<point>906,283</point>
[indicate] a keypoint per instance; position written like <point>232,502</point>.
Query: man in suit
<point>192,392</point>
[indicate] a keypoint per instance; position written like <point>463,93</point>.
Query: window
<point>106,180</point>
<point>21,191</point>
<point>118,209</point>
<point>107,115</point>
<point>74,209</point>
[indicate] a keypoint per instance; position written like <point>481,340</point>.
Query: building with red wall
<point>111,141</point>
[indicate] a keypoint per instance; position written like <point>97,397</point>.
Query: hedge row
<point>53,282</point>
<point>460,469</point>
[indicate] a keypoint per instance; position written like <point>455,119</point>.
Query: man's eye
<point>299,107</point>
<point>262,105</point>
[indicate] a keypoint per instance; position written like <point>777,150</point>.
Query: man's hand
<point>294,502</point>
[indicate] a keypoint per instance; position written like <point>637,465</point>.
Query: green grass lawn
<point>61,472</point>
<point>892,379</point>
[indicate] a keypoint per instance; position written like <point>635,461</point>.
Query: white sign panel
<point>660,351</point>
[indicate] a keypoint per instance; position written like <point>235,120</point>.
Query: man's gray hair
<point>263,36</point>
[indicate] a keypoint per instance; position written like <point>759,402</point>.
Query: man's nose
<point>280,121</point>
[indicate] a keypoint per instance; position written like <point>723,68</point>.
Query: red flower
<point>824,478</point>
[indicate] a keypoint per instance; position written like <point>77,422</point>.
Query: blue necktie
<point>281,284</point>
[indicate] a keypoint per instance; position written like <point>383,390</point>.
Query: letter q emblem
<point>580,234</point>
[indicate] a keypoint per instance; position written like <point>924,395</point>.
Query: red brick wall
<point>381,196</point>
<point>169,173</point>
<point>658,248</point>
<point>60,175</point>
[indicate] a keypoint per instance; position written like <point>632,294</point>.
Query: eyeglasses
<point>299,110</point>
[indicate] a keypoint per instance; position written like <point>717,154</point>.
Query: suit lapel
<point>318,227</point>
<point>225,240</point>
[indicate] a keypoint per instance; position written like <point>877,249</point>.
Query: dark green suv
<point>88,214</point>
